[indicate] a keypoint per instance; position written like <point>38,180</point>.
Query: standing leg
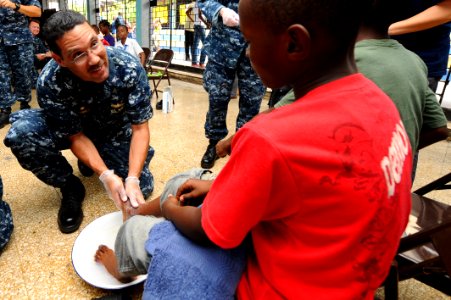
<point>252,91</point>
<point>188,43</point>
<point>38,149</point>
<point>21,69</point>
<point>195,51</point>
<point>203,54</point>
<point>6,98</point>
<point>218,82</point>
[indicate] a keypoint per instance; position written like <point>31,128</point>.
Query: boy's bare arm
<point>187,219</point>
<point>149,208</point>
<point>431,136</point>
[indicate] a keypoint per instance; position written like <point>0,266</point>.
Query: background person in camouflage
<point>226,50</point>
<point>95,101</point>
<point>41,54</point>
<point>16,54</point>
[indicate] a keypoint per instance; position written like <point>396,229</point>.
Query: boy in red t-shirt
<point>322,185</point>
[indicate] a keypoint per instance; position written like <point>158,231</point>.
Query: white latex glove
<point>114,187</point>
<point>133,191</point>
<point>229,17</point>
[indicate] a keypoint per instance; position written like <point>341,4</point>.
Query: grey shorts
<point>175,182</point>
<point>132,257</point>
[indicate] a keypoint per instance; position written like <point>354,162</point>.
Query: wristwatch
<point>17,6</point>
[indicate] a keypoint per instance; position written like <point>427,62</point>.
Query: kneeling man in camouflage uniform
<point>94,101</point>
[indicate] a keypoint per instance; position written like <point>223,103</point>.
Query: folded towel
<point>182,269</point>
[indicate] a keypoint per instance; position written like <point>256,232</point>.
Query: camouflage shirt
<point>101,111</point>
<point>224,45</point>
<point>38,46</point>
<point>14,25</point>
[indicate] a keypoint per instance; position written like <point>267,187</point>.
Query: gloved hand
<point>229,17</point>
<point>133,191</point>
<point>114,187</point>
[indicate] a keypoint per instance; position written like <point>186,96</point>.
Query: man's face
<point>34,28</point>
<point>83,54</point>
<point>264,49</point>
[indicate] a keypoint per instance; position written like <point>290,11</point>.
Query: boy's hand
<point>224,147</point>
<point>192,190</point>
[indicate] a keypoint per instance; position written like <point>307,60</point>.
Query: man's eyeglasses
<point>81,57</point>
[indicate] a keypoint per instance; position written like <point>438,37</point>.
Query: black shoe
<point>159,105</point>
<point>84,169</point>
<point>210,156</point>
<point>70,213</point>
<point>4,116</point>
<point>24,105</point>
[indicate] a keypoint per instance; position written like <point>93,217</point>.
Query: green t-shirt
<point>402,75</point>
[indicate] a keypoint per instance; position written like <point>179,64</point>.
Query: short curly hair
<point>338,19</point>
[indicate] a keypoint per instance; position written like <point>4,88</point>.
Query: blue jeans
<point>199,35</point>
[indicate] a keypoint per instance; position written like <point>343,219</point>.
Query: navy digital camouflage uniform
<point>103,112</point>
<point>226,50</point>
<point>16,55</point>
<point>6,220</point>
<point>38,47</point>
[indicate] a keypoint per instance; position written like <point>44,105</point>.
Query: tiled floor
<point>36,264</point>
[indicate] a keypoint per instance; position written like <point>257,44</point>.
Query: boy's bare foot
<point>106,257</point>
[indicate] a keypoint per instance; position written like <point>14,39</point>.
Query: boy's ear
<point>299,43</point>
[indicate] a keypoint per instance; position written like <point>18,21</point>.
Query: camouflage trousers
<point>38,149</point>
<point>16,66</point>
<point>6,220</point>
<point>218,82</point>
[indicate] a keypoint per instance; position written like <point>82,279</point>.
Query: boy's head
<point>104,26</point>
<point>122,31</point>
<point>297,42</point>
<point>380,14</point>
<point>96,28</point>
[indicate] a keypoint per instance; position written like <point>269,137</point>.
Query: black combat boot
<point>70,213</point>
<point>24,105</point>
<point>210,156</point>
<point>84,169</point>
<point>4,116</point>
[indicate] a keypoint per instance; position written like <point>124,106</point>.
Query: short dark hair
<point>380,14</point>
<point>122,25</point>
<point>58,24</point>
<point>35,20</point>
<point>104,23</point>
<point>339,20</point>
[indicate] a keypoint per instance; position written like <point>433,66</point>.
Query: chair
<point>445,79</point>
<point>157,68</point>
<point>146,54</point>
<point>424,253</point>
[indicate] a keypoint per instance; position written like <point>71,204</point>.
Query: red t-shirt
<point>323,186</point>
